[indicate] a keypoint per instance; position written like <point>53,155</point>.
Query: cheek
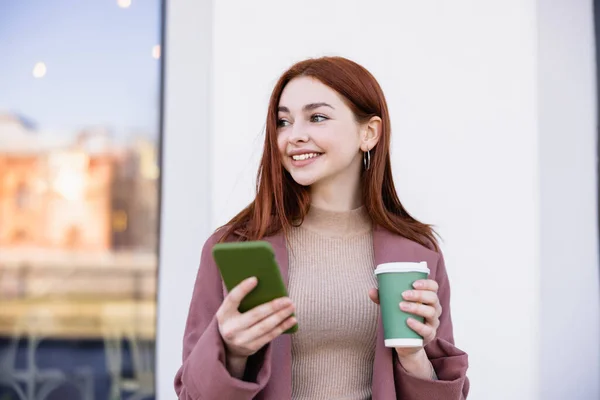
<point>342,145</point>
<point>345,155</point>
<point>281,143</point>
<point>282,147</point>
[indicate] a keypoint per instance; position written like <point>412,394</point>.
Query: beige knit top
<point>331,265</point>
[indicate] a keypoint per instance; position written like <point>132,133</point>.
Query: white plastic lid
<point>402,267</point>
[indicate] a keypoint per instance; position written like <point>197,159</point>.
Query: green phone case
<point>240,260</point>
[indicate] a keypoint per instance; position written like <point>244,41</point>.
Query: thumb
<point>374,295</point>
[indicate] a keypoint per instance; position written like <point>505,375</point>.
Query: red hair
<point>281,203</point>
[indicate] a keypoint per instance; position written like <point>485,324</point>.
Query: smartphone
<point>241,260</point>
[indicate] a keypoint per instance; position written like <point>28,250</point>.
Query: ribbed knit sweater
<point>331,265</point>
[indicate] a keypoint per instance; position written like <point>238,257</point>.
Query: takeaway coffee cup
<point>393,279</point>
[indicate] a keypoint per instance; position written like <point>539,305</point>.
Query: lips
<point>301,159</point>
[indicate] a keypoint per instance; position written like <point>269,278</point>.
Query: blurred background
<point>79,193</point>
<point>131,129</point>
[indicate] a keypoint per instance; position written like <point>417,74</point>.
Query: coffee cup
<point>393,279</point>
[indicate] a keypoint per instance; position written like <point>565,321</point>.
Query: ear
<point>370,134</point>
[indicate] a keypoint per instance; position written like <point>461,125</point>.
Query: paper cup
<point>393,279</point>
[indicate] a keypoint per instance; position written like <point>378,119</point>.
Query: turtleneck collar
<point>337,223</point>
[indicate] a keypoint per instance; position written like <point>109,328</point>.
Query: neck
<point>337,195</point>
<point>337,223</point>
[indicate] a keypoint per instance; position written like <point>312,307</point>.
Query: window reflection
<point>79,174</point>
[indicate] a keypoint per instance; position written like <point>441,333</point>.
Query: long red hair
<point>281,203</point>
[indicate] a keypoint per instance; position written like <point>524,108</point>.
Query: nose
<point>298,134</point>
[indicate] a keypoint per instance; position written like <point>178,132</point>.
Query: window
<point>79,191</point>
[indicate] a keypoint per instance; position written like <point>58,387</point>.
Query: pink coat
<point>203,375</point>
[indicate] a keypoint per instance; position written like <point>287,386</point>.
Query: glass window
<point>79,189</point>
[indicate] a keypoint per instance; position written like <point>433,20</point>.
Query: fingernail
<point>407,294</point>
<point>405,306</point>
<point>252,279</point>
<point>418,284</point>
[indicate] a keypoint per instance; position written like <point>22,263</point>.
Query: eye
<point>282,122</point>
<point>318,118</point>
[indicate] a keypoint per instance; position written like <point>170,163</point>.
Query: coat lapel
<point>389,247</point>
<point>280,384</point>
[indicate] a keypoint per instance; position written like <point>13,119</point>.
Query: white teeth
<point>301,157</point>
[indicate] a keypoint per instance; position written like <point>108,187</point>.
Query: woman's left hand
<point>423,301</point>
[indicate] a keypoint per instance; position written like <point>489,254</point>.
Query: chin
<point>304,179</point>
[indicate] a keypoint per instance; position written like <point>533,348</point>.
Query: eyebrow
<point>307,107</point>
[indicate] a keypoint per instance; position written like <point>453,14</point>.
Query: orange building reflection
<point>59,199</point>
<point>78,214</point>
<point>85,195</point>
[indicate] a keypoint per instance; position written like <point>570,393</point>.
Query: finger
<point>232,301</point>
<point>265,326</point>
<point>261,312</point>
<point>426,331</point>
<point>421,296</point>
<point>426,284</point>
<point>235,330</point>
<point>274,333</point>
<point>421,310</point>
<point>374,295</point>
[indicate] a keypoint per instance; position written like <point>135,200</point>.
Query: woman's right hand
<point>246,333</point>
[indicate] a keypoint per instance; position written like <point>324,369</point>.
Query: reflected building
<point>86,195</point>
<point>135,197</point>
<point>52,196</point>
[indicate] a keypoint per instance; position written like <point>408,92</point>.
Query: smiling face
<point>318,136</point>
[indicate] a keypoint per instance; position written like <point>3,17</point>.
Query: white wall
<point>461,81</point>
<point>570,354</point>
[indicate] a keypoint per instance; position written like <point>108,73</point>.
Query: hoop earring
<point>367,159</point>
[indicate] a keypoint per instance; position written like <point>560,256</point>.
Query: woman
<point>327,203</point>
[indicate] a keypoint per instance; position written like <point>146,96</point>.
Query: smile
<point>307,156</point>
